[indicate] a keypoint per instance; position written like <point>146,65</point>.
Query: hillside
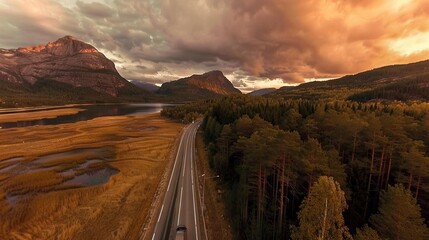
<point>208,85</point>
<point>395,82</point>
<point>67,70</point>
<point>261,92</point>
<point>145,86</point>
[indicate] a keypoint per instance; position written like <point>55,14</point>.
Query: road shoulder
<point>217,222</point>
<point>150,222</point>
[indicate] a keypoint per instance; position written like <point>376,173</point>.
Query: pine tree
<point>399,216</point>
<point>366,233</point>
<point>321,214</point>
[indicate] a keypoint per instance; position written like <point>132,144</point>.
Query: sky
<point>256,43</point>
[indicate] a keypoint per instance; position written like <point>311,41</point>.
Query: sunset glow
<point>257,43</point>
<point>410,45</point>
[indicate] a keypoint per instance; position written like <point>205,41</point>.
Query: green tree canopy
<point>399,216</point>
<point>366,233</point>
<point>321,214</point>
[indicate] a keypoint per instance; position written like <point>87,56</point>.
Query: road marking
<point>178,151</point>
<point>180,205</point>
<point>189,138</point>
<point>160,213</point>
<point>169,183</point>
<point>193,193</point>
<point>184,160</point>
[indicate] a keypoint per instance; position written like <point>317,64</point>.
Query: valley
<point>214,119</point>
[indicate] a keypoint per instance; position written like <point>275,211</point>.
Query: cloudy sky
<point>255,43</point>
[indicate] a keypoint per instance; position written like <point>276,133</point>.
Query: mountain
<point>261,92</point>
<point>145,86</point>
<point>395,82</point>
<point>208,85</point>
<point>67,66</point>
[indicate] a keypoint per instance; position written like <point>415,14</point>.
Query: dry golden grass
<point>21,116</point>
<point>47,208</point>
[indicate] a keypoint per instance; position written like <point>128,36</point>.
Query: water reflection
<point>92,178</point>
<point>91,112</point>
<point>75,153</point>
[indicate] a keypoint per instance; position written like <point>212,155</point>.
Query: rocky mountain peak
<point>207,85</point>
<point>65,46</point>
<point>213,81</point>
<point>69,45</point>
<point>66,60</point>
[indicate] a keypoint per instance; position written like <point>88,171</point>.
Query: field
<point>88,180</point>
<point>24,116</point>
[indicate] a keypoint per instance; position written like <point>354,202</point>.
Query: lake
<point>89,112</point>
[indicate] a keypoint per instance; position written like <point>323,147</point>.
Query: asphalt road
<point>180,202</point>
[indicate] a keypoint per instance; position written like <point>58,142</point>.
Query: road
<point>180,202</point>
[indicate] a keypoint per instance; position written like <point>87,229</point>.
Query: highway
<point>180,206</point>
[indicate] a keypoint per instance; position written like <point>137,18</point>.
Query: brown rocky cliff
<point>207,85</point>
<point>66,60</point>
<point>213,81</point>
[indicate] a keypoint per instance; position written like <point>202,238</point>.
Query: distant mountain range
<point>261,92</point>
<point>71,71</point>
<point>396,82</point>
<point>145,86</point>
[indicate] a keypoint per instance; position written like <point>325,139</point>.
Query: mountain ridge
<point>361,86</point>
<point>145,85</point>
<point>69,70</point>
<point>262,91</point>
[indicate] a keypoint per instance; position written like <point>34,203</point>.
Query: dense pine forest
<point>323,169</point>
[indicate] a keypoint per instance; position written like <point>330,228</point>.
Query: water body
<point>86,179</point>
<point>94,168</point>
<point>56,157</point>
<point>90,112</point>
<point>92,178</point>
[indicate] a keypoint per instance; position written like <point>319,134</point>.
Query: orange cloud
<point>272,39</point>
<point>294,40</point>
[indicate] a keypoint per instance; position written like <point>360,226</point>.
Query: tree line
<point>305,169</point>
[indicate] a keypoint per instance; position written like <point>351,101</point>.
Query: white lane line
<point>193,192</point>
<point>195,211</point>
<point>178,151</point>
<point>192,168</point>
<point>184,160</point>
<point>160,213</point>
<point>169,183</point>
<point>180,205</point>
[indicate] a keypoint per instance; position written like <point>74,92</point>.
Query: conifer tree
<point>321,214</point>
<point>399,216</point>
<point>366,233</point>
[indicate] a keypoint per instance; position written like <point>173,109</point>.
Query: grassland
<point>36,200</point>
<point>24,116</point>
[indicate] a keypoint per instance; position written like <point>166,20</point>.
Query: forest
<point>322,169</point>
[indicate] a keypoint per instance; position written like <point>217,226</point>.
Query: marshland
<point>94,177</point>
